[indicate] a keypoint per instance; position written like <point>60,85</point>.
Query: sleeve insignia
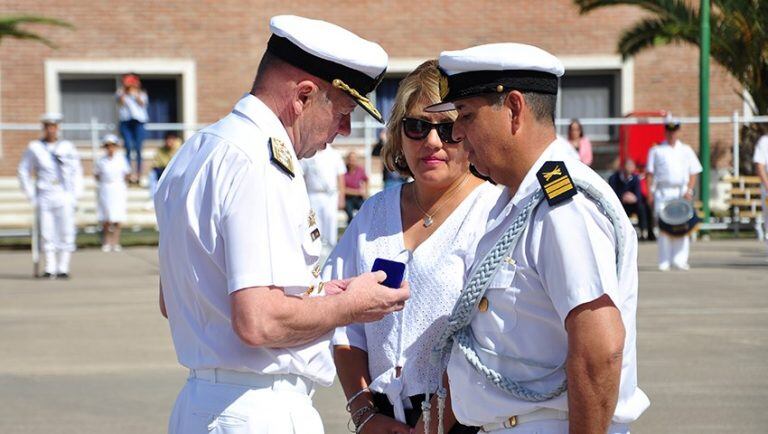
<point>556,182</point>
<point>280,156</point>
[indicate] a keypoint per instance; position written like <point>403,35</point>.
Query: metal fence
<point>365,133</point>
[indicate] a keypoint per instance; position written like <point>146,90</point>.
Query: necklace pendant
<point>428,221</point>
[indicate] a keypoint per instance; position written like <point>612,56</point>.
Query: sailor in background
<point>542,337</point>
<point>112,172</point>
<point>671,174</point>
<point>51,177</point>
<point>324,176</point>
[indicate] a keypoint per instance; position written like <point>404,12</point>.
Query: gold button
<point>483,306</point>
<point>499,88</point>
<point>509,260</point>
<point>512,421</point>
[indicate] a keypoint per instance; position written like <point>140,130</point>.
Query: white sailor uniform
<point>566,256</point>
<point>321,174</point>
<point>232,216</point>
<point>112,190</point>
<point>57,183</point>
<point>671,167</point>
<point>761,156</point>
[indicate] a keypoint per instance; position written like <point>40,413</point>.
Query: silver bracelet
<point>360,427</point>
<point>354,421</point>
<point>354,397</point>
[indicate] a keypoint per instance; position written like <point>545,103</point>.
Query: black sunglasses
<point>418,129</point>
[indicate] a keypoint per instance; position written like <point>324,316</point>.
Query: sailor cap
<point>350,63</point>
<point>495,68</point>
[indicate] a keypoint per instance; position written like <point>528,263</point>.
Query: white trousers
<point>672,250</point>
<point>57,234</point>
<point>555,427</point>
<point>203,407</point>
<point>326,206</point>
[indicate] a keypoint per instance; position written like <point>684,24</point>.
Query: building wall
<point>226,38</point>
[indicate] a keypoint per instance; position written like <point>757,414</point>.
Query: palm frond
<point>653,32</point>
<point>10,27</point>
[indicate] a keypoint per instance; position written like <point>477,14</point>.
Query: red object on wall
<point>636,140</point>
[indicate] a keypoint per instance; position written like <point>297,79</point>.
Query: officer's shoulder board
<point>279,154</point>
<point>556,182</point>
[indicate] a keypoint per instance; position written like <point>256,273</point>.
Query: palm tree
<point>739,41</point>
<point>10,27</point>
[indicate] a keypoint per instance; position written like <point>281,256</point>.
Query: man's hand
<point>370,301</point>
<point>334,287</point>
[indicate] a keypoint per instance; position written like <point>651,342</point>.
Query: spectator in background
<point>626,183</point>
<point>580,143</point>
<point>171,143</point>
<point>132,104</point>
<point>355,185</point>
<point>324,178</point>
<point>760,159</point>
<point>111,173</point>
<point>391,178</point>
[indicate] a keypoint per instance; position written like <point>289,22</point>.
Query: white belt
<point>513,421</point>
<point>278,382</point>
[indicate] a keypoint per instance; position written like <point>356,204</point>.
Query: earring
<point>400,161</point>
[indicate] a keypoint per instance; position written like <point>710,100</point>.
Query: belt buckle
<point>511,422</point>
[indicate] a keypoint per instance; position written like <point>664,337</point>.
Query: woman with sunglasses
<point>432,225</point>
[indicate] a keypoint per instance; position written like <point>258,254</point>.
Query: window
<point>587,94</point>
<point>86,97</point>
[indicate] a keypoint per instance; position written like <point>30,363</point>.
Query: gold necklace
<point>428,218</point>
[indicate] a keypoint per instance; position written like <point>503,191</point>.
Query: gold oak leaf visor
<point>354,83</point>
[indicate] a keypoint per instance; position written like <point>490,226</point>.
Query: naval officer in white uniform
<point>239,243</point>
<point>51,177</point>
<point>671,173</point>
<point>542,339</point>
<point>324,176</point>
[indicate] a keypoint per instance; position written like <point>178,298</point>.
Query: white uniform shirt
<point>112,170</point>
<point>672,166</point>
<point>761,156</point>
<point>435,271</point>
<point>58,172</point>
<point>322,171</point>
<point>564,258</point>
<point>130,107</point>
<point>230,218</point>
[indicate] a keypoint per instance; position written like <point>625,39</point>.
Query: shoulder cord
<point>458,323</point>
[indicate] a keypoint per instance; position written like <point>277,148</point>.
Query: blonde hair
<point>421,85</point>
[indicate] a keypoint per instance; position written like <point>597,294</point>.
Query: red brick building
<point>198,57</point>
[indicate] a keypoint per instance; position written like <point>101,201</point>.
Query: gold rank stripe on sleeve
<point>556,182</point>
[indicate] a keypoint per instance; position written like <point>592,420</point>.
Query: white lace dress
<point>435,270</point>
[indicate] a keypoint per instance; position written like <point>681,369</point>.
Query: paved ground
<point>93,355</point>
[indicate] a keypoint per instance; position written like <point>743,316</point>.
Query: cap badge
<point>363,101</point>
<point>443,84</point>
<point>556,182</point>
<point>280,156</point>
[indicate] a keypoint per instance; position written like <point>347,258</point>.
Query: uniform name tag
<point>556,182</point>
<point>280,156</point>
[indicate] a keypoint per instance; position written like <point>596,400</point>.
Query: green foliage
<point>10,26</point>
<point>739,35</point>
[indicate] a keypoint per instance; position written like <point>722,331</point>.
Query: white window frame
<point>55,69</point>
<point>608,63</point>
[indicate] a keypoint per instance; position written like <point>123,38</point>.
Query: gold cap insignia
<point>280,155</point>
<point>443,85</point>
<point>556,182</point>
<point>362,101</point>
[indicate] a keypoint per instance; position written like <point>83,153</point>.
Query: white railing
<point>365,133</point>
